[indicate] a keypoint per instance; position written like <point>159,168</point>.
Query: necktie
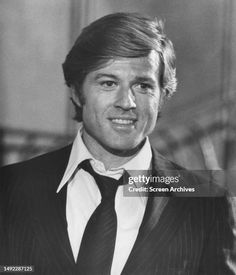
<point>98,242</point>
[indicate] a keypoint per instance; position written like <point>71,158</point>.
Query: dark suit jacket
<point>191,236</point>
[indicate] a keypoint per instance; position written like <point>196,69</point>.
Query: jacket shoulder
<point>204,182</point>
<point>162,163</point>
<point>44,161</point>
<point>34,169</point>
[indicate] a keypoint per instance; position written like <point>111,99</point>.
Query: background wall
<point>34,42</point>
<point>197,128</point>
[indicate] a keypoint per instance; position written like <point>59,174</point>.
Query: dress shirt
<point>83,197</point>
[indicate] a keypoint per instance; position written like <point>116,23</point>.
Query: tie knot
<point>107,185</point>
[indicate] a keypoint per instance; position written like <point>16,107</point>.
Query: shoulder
<point>42,162</point>
<point>162,163</point>
<point>205,183</point>
<point>23,173</point>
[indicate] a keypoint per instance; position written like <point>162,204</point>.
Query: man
<point>54,214</point>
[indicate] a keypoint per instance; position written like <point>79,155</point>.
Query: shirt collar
<point>79,153</point>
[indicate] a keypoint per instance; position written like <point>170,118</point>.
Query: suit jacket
<point>191,236</point>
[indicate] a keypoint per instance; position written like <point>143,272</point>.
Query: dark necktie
<point>98,242</point>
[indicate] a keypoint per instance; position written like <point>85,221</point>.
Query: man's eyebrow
<point>136,79</point>
<point>100,75</point>
<point>145,79</point>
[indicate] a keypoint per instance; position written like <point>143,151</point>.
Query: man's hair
<point>127,35</point>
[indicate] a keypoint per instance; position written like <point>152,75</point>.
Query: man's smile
<point>123,123</point>
<point>126,120</point>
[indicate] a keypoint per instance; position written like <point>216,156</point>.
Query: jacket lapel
<point>162,218</point>
<point>49,221</point>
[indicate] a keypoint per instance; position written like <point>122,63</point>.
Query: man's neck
<point>109,159</point>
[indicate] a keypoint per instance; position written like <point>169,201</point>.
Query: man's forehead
<point>142,65</point>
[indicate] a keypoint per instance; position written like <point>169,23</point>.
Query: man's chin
<point>124,150</point>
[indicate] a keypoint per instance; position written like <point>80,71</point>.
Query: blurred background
<point>198,125</point>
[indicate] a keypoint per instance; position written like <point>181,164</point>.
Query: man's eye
<point>108,84</point>
<point>143,87</point>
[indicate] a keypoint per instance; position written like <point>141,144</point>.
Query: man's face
<point>121,103</point>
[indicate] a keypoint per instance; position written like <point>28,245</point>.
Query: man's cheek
<point>153,110</point>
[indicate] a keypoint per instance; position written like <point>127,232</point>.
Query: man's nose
<point>125,99</point>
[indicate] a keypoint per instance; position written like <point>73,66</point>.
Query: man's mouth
<point>122,121</point>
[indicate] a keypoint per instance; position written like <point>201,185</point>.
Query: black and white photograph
<point>118,137</point>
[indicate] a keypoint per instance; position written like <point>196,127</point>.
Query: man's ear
<point>75,98</point>
<point>76,101</point>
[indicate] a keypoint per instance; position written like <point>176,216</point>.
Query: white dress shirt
<point>83,197</point>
